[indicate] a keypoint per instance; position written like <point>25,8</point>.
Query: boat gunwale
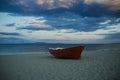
<point>65,48</point>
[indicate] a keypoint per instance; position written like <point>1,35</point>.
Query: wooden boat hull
<point>68,53</point>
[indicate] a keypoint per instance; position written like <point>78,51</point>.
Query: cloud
<point>113,5</point>
<point>67,20</point>
<point>61,20</point>
<point>72,36</point>
<point>74,21</point>
<point>32,28</point>
<point>63,34</point>
<point>106,22</point>
<point>13,40</point>
<point>39,24</point>
<point>113,36</point>
<point>89,34</point>
<point>91,8</point>
<point>53,4</point>
<point>10,25</point>
<point>10,34</point>
<point>96,1</point>
<point>35,24</point>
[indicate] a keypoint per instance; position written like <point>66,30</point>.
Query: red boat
<point>67,53</point>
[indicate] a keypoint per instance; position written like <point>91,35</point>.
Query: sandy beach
<point>94,65</point>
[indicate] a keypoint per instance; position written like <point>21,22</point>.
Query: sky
<point>60,21</point>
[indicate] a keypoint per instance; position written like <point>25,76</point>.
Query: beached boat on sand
<point>67,53</point>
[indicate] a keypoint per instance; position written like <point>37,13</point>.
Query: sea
<point>19,49</point>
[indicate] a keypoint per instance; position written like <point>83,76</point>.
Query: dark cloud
<point>79,16</point>
<point>31,7</point>
<point>29,28</point>
<point>32,28</point>
<point>69,20</point>
<point>10,34</point>
<point>10,25</point>
<point>7,6</point>
<point>4,4</point>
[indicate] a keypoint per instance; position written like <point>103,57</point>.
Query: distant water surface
<point>13,49</point>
